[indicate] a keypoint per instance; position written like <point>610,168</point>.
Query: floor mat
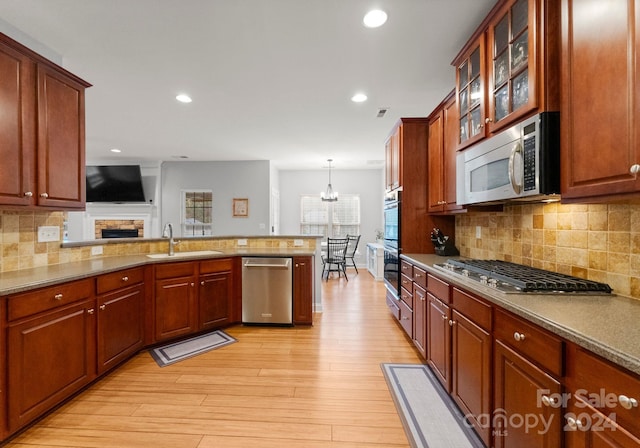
<point>429,416</point>
<point>177,351</point>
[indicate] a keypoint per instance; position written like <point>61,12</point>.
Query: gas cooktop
<point>515,278</point>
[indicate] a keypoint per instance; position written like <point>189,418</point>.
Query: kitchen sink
<point>195,253</point>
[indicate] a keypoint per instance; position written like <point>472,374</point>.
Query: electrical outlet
<point>478,232</point>
<point>48,233</point>
<point>298,242</point>
<point>242,242</point>
<point>96,250</point>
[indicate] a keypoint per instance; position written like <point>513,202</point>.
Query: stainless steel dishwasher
<point>267,291</point>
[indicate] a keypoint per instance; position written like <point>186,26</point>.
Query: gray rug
<point>177,351</point>
<point>430,417</point>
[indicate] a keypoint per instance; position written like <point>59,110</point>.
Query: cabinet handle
<point>44,195</point>
<point>418,275</point>
<point>444,317</point>
<point>635,169</point>
<point>452,323</point>
<point>28,194</point>
<point>627,402</point>
<point>125,279</point>
<point>58,297</point>
<point>90,311</point>
<point>102,307</point>
<point>518,336</point>
<point>574,423</point>
<point>405,318</point>
<point>548,401</point>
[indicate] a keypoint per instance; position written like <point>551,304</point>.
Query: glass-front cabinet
<point>509,68</point>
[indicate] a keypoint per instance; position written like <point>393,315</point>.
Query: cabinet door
<point>420,319</point>
<point>393,168</point>
<point>471,371</point>
<point>61,140</point>
<point>470,96</point>
<point>439,339</point>
<point>17,127</point>
<point>435,163</point>
<point>49,358</point>
<point>303,290</point>
<point>175,302</point>
<point>587,427</point>
<point>518,388</point>
<point>449,142</point>
<point>120,326</point>
<point>215,296</point>
<point>606,131</point>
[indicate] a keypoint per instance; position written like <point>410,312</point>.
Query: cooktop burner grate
<point>529,279</point>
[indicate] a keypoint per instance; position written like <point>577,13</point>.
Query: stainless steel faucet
<point>169,235</point>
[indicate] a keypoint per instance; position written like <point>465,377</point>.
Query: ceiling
<point>270,79</point>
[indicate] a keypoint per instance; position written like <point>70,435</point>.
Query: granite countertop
<point>605,324</point>
<point>27,279</point>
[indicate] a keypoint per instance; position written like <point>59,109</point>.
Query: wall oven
<point>391,272</point>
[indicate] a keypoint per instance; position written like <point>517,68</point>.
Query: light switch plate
<point>298,242</point>
<point>48,233</point>
<point>242,242</point>
<point>96,250</point>
<point>478,232</point>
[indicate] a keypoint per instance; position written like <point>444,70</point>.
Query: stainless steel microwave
<point>520,163</point>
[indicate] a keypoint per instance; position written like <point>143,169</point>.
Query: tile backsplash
<point>599,242</point>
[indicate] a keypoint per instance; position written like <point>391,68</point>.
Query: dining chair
<point>335,258</point>
<point>352,247</point>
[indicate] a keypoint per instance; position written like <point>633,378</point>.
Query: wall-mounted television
<point>114,183</point>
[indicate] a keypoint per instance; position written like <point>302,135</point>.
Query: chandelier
<point>329,195</point>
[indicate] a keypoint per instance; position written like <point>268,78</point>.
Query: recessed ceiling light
<point>184,98</point>
<point>115,150</point>
<point>359,98</point>
<point>374,18</point>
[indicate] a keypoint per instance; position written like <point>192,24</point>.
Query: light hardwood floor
<point>302,387</point>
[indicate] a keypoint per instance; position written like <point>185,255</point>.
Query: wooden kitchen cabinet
<point>42,139</point>
<point>527,371</point>
<point>302,290</point>
<point>600,154</point>
<point>442,153</point>
<point>176,307</point>
<point>393,168</point>
<point>439,339</point>
<point>508,69</point>
<point>215,295</point>
<point>51,348</point>
<point>120,329</point>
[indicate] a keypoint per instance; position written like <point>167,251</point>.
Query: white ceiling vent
<point>382,111</point>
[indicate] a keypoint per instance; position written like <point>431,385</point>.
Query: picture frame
<point>240,207</point>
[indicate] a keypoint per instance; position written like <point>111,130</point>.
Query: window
<point>196,213</point>
<point>335,219</point>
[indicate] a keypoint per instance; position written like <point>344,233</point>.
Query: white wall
<point>227,180</point>
<point>369,184</point>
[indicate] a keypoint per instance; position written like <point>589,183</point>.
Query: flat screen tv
<point>114,183</point>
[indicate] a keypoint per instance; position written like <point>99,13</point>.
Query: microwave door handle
<point>517,149</point>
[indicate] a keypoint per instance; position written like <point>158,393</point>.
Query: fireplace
<point>120,233</point>
<point>119,228</point>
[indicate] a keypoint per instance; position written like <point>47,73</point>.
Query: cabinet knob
<point>202,283</point>
<point>548,401</point>
<point>58,297</point>
<point>193,284</point>
<point>444,317</point>
<point>574,423</point>
<point>90,311</point>
<point>452,323</point>
<point>44,195</point>
<point>488,120</point>
<point>28,194</point>
<point>102,307</point>
<point>627,402</point>
<point>125,279</point>
<point>518,336</point>
<point>635,169</point>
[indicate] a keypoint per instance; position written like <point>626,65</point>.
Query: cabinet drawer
<point>438,288</point>
<point>599,382</point>
<point>120,279</point>
<point>26,304</point>
<point>406,318</point>
<point>406,268</point>
<point>473,308</point>
<point>392,304</point>
<point>216,265</point>
<point>406,282</point>
<point>530,341</point>
<point>172,270</point>
<point>420,277</point>
<point>407,297</point>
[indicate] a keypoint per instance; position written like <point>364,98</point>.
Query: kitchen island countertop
<point>604,324</point>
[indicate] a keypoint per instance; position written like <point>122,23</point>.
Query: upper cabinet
<point>600,118</point>
<point>508,69</point>
<point>42,140</point>
<point>393,169</point>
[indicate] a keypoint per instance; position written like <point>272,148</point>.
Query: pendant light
<point>330,195</point>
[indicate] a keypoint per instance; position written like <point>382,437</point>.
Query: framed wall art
<point>240,207</point>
